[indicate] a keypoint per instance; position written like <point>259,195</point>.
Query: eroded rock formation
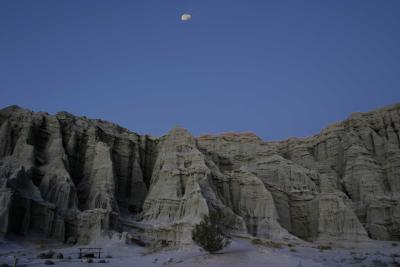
<point>73,178</point>
<point>68,176</point>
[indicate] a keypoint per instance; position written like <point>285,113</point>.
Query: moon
<point>186,17</point>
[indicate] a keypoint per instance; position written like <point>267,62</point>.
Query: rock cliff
<point>74,179</point>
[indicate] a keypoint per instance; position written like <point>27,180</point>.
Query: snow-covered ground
<point>241,252</point>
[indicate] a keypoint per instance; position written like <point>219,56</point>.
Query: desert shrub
<point>46,255</point>
<point>87,260</point>
<point>274,244</point>
<point>293,250</point>
<point>359,258</point>
<point>378,263</point>
<point>266,243</point>
<point>394,244</point>
<point>89,255</point>
<point>324,247</point>
<point>222,220</point>
<point>49,262</point>
<point>208,236</point>
<point>71,240</point>
<point>257,241</point>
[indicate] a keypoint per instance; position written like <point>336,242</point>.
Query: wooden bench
<point>85,251</point>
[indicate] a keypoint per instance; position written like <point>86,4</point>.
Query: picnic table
<point>85,251</point>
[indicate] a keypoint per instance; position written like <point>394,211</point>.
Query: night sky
<point>276,68</point>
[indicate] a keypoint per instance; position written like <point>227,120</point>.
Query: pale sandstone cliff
<point>73,179</point>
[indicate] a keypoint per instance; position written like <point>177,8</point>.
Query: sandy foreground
<point>241,252</point>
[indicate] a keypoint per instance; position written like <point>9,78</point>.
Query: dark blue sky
<point>277,68</point>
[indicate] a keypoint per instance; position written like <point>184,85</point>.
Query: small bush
<point>87,260</point>
<point>266,243</point>
<point>293,250</point>
<point>46,255</point>
<point>359,258</point>
<point>71,240</point>
<point>89,255</point>
<point>378,263</point>
<point>256,241</point>
<point>49,262</point>
<point>208,236</point>
<point>395,263</point>
<point>324,247</point>
<point>394,244</point>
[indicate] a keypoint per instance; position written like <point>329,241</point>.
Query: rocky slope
<point>74,179</point>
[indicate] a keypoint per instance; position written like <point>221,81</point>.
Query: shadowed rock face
<point>73,178</point>
<point>69,176</point>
